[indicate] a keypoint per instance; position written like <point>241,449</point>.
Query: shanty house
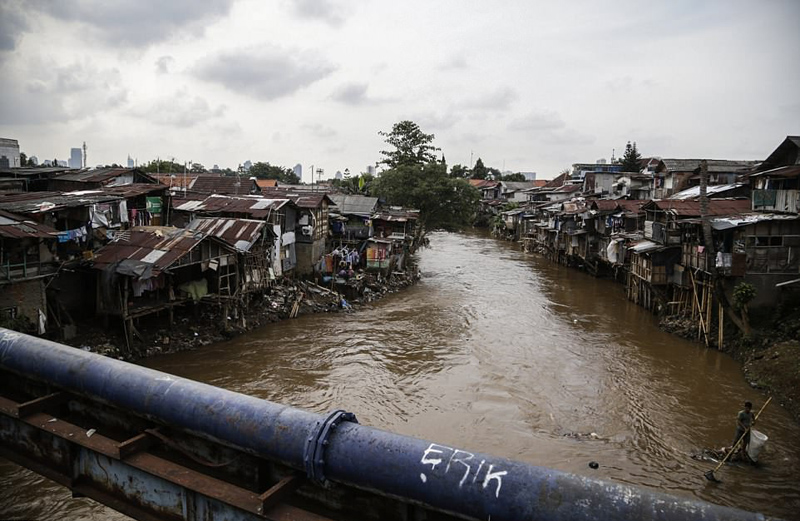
<point>776,185</point>
<point>26,262</point>
<point>350,217</point>
<point>253,240</point>
<point>280,214</point>
<point>153,269</point>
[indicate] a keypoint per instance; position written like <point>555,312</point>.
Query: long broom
<point>710,474</point>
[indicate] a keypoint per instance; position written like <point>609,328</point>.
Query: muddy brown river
<point>500,352</point>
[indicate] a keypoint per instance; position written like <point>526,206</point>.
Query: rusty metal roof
<point>97,175</point>
<point>267,183</point>
<point>160,247</point>
<point>18,227</point>
<point>230,185</point>
<point>175,180</point>
<point>239,233</point>
<point>716,207</point>
<point>253,207</point>
<point>604,205</point>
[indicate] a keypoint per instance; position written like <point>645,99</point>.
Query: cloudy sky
<point>526,85</point>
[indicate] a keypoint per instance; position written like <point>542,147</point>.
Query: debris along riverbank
<point>200,325</point>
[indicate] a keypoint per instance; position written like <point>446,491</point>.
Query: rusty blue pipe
<point>475,485</point>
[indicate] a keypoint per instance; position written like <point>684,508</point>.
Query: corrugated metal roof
<point>159,246</point>
<point>252,206</point>
<point>18,227</point>
<point>239,233</point>
<point>783,171</point>
<point>396,214</point>
<point>518,185</point>
<point>724,223</point>
<point>716,207</point>
<point>97,175</point>
<point>483,183</point>
<point>230,185</point>
<point>354,204</point>
<point>303,199</point>
<point>694,192</point>
<point>37,202</point>
<point>714,165</point>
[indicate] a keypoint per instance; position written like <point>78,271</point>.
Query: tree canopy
<point>631,160</point>
<point>444,202</point>
<point>264,170</point>
<point>416,179</point>
<point>411,146</point>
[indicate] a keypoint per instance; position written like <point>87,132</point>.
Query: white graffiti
<point>461,461</point>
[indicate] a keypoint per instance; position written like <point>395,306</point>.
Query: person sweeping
<point>744,421</point>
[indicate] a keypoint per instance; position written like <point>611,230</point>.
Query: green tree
<point>631,160</point>
<point>163,167</point>
<point>479,171</point>
<point>514,177</point>
<point>444,202</point>
<point>459,172</point>
<point>411,146</point>
<point>264,170</point>
<point>23,159</point>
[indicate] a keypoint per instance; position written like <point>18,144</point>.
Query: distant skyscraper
<point>130,161</point>
<point>33,160</point>
<point>530,176</point>
<point>338,174</point>
<point>9,152</point>
<point>298,171</point>
<point>75,158</point>
<point>371,169</point>
<point>247,165</point>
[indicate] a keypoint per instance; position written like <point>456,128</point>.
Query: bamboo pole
<point>702,324</point>
<point>720,333</point>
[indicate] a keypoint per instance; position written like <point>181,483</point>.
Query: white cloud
<point>321,10</point>
<point>179,109</point>
<point>135,23</point>
<point>265,73</point>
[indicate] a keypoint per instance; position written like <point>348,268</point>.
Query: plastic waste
<point>757,441</point>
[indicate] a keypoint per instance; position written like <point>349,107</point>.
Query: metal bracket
<point>314,454</point>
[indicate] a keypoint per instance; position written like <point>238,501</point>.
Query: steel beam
<point>443,478</point>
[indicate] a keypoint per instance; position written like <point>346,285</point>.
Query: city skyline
<point>528,86</point>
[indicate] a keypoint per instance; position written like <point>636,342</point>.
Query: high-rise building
<point>130,161</point>
<point>530,176</point>
<point>371,169</point>
<point>338,174</point>
<point>247,165</point>
<point>9,153</point>
<point>75,158</point>
<point>33,160</point>
<point>298,171</point>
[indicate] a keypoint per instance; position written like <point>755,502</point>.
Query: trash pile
<point>198,325</point>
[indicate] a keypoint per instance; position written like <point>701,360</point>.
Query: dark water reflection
<point>505,353</point>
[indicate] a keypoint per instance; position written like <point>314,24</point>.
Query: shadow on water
<point>506,353</point>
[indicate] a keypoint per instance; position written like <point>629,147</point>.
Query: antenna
<point>84,154</point>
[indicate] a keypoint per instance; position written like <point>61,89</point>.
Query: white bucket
<point>757,441</point>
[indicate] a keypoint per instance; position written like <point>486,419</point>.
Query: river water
<point>500,352</point>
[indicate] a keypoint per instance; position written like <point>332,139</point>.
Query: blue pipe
<point>446,478</point>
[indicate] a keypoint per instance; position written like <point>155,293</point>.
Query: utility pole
<point>84,154</point>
